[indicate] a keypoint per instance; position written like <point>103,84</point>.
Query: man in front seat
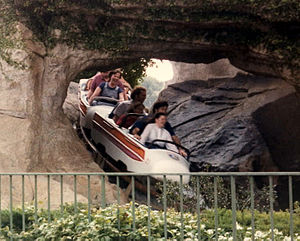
<point>139,126</point>
<point>109,89</point>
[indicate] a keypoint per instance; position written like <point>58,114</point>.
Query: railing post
<point>118,200</point>
<point>35,199</point>
<point>271,206</point>
<point>252,207</point>
<point>149,211</point>
<point>75,193</point>
<point>10,204</point>
<point>291,207</point>
<point>216,207</point>
<point>181,210</point>
<point>133,204</point>
<point>49,200</point>
<point>198,207</point>
<point>233,207</point>
<point>103,200</point>
<point>61,194</point>
<point>23,205</point>
<point>89,198</point>
<point>165,207</point>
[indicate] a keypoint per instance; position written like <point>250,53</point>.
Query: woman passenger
<point>127,121</point>
<point>157,131</point>
<point>108,89</point>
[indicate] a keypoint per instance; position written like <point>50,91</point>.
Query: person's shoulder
<point>141,122</point>
<point>151,125</point>
<point>123,104</point>
<point>168,124</point>
<point>101,85</point>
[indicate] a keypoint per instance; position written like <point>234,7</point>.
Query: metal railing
<point>231,177</point>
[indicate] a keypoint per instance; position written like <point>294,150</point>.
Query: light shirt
<point>153,132</point>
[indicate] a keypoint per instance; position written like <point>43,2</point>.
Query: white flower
<point>238,226</point>
<point>209,231</point>
<point>287,239</point>
<point>247,239</point>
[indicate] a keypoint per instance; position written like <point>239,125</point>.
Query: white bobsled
<point>123,147</point>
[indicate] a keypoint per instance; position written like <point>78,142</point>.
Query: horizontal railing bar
<point>159,174</point>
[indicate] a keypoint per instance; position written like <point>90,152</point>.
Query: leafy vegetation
<point>205,186</point>
<point>134,72</point>
<point>266,26</point>
<point>116,223</point>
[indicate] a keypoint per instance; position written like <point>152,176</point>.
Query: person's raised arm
<point>90,93</point>
<point>96,93</point>
<point>177,141</point>
<point>121,96</point>
<point>170,146</point>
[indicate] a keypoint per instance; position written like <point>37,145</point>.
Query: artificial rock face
<point>242,123</point>
<point>220,120</point>
<point>44,45</point>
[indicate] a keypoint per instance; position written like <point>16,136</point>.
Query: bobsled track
<point>108,165</point>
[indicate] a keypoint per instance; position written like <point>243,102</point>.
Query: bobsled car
<point>104,135</point>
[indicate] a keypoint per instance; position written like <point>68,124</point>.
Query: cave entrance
<point>153,74</point>
<point>228,118</point>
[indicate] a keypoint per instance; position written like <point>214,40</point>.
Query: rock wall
<point>36,136</point>
<point>215,120</point>
<point>245,123</point>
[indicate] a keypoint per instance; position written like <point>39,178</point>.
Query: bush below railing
<point>117,223</point>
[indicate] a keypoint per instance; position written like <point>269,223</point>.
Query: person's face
<point>162,109</point>
<point>142,96</point>
<point>161,121</point>
<point>117,75</point>
<point>114,80</point>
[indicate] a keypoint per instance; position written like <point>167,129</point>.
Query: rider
<point>137,95</point>
<point>109,89</point>
<point>139,126</point>
<point>157,130</point>
<point>100,78</point>
<point>96,80</point>
<point>127,121</point>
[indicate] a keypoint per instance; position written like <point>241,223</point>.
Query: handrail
<point>11,193</point>
<point>149,174</point>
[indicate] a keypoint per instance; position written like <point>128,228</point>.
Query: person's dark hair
<point>158,105</point>
<point>136,91</point>
<point>111,73</point>
<point>159,114</point>
<point>118,71</point>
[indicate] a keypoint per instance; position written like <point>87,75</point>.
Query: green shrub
<point>206,194</point>
<point>104,224</point>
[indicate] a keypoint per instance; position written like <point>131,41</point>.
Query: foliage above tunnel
<point>116,26</point>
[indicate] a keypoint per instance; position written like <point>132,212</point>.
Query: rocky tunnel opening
<point>55,43</point>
